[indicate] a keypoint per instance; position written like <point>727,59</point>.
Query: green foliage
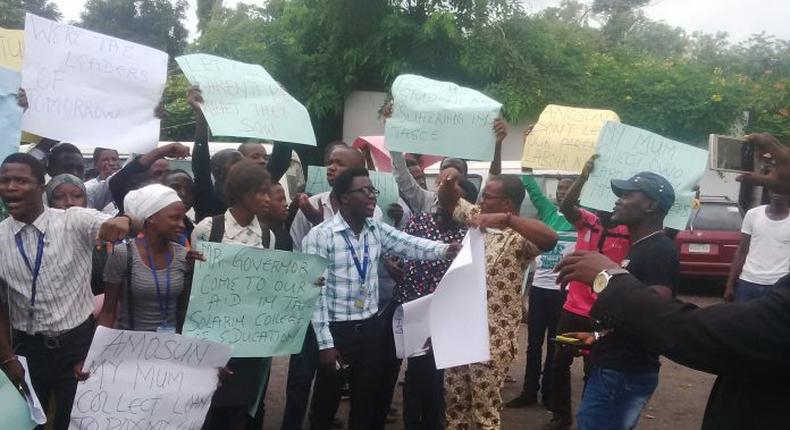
<point>12,12</point>
<point>155,23</point>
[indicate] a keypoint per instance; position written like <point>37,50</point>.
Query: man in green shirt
<point>545,296</point>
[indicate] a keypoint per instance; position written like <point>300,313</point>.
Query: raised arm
<point>119,183</point>
<point>500,130</point>
<point>279,160</point>
<point>201,157</point>
<point>570,204</point>
<point>542,203</point>
<point>415,196</point>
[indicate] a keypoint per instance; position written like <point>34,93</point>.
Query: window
<point>717,216</point>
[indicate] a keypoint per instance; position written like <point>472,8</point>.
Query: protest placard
<point>12,44</point>
<point>91,89</point>
<point>243,100</point>
<point>564,137</point>
<point>626,150</point>
<point>147,380</point>
<point>382,181</point>
<point>10,112</point>
<point>14,413</point>
<point>257,300</point>
<point>454,317</point>
<point>441,118</point>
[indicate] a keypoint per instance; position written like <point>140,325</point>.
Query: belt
<point>54,341</point>
<point>357,325</point>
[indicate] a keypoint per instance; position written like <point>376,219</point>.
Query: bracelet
<point>13,358</point>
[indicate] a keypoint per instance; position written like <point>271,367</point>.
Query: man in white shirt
<point>763,256</point>
<point>45,265</point>
<point>98,189</point>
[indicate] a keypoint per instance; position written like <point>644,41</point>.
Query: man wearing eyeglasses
<point>345,320</point>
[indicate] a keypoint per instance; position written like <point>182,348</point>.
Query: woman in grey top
<point>146,281</point>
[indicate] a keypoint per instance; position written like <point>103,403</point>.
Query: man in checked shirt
<point>345,320</point>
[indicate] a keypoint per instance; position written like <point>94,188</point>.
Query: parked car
<point>707,246</point>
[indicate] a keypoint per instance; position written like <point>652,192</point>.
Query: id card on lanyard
<point>164,305</point>
<point>362,269</point>
<point>35,269</point>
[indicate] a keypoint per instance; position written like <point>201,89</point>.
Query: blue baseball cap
<point>653,185</point>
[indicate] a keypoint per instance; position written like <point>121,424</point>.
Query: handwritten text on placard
<point>147,380</point>
<point>257,300</point>
<point>626,150</point>
<point>441,118</point>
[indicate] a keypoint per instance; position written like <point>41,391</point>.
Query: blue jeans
<point>613,400</point>
<point>745,290</point>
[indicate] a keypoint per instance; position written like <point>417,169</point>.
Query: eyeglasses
<point>368,191</point>
<point>486,196</point>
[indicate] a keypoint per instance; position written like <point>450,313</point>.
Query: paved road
<point>677,404</point>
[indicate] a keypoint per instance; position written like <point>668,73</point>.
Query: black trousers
<point>301,372</point>
<point>51,362</point>
<point>545,307</point>
<point>390,362</point>
<point>561,369</point>
<point>423,394</point>
<point>359,344</point>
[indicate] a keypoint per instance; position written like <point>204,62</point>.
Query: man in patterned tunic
<point>472,392</point>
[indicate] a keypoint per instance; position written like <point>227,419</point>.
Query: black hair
<point>470,190</point>
<point>60,150</point>
<point>97,153</point>
<point>512,187</point>
<point>454,160</point>
<point>410,162</point>
<point>172,172</point>
<point>245,177</point>
<point>243,147</point>
<point>35,166</point>
<point>331,147</point>
<point>343,182</point>
<point>222,161</point>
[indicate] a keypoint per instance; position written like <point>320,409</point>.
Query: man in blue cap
<point>625,374</point>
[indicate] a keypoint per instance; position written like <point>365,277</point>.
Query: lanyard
<point>34,270</point>
<point>362,268</point>
<point>163,308</point>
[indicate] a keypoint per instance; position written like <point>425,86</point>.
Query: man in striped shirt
<point>345,320</point>
<point>45,266</point>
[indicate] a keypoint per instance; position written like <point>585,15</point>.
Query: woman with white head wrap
<point>149,276</point>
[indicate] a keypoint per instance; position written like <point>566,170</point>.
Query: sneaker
<point>559,424</point>
<point>522,401</point>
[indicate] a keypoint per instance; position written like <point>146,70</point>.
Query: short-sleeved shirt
<point>421,277</point>
<point>148,303</point>
<point>653,260</point>
<point>769,248</point>
<point>508,254</point>
<point>593,236</point>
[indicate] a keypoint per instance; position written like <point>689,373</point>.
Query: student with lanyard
<point>147,281</point>
<point>345,319</point>
<point>45,261</point>
<point>247,190</point>
<point>594,232</point>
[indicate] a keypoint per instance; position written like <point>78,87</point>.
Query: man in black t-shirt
<point>624,373</point>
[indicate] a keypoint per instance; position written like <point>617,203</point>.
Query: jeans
<point>613,400</point>
<point>360,346</point>
<point>745,290</point>
<point>545,307</point>
<point>423,394</point>
<point>560,401</point>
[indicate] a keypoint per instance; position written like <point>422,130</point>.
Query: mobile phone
<point>730,154</point>
<point>570,341</point>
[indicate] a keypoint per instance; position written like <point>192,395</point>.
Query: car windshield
<point>717,216</point>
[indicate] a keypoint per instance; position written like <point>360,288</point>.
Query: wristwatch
<point>602,279</point>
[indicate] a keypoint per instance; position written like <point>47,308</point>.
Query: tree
<point>206,11</point>
<point>12,12</point>
<point>155,23</point>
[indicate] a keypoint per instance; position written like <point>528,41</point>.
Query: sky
<point>739,18</point>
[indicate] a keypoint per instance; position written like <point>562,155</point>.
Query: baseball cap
<point>651,184</point>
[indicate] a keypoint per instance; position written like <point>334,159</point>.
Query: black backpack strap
<point>129,294</point>
<point>217,228</point>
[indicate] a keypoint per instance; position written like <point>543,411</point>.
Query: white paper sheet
<point>36,411</point>
<point>91,89</point>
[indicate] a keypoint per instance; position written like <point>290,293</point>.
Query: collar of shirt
<point>339,224</point>
<point>40,223</point>
<point>233,229</point>
<point>325,199</point>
